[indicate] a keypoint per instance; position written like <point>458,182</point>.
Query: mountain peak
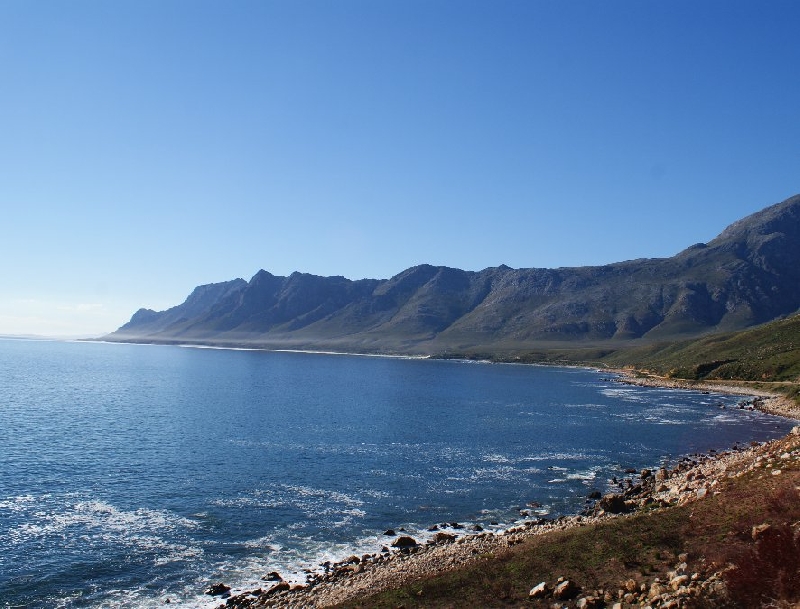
<point>747,275</point>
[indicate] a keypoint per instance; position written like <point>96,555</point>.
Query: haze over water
<point>132,474</point>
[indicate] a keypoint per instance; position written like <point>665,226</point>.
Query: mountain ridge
<point>748,274</point>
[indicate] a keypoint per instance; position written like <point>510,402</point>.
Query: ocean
<point>133,474</point>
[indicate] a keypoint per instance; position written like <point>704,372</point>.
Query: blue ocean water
<point>132,474</point>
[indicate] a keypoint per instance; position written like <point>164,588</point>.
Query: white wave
<point>496,458</point>
<point>585,475</point>
<point>87,523</point>
<point>17,504</point>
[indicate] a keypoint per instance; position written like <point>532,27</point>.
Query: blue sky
<point>148,146</point>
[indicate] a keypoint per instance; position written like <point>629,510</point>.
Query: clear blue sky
<point>148,146</point>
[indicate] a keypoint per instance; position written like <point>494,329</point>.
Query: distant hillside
<point>748,275</point>
<point>766,353</point>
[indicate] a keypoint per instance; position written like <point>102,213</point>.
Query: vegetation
<point>765,357</point>
<point>713,533</point>
<point>766,353</point>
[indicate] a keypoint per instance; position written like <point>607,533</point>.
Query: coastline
<point>693,479</point>
<point>764,401</point>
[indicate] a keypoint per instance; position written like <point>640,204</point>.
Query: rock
<point>240,601</point>
<point>441,537</point>
<point>662,474</point>
<point>645,473</point>
<point>404,542</point>
<point>587,602</point>
<point>217,590</point>
<point>595,495</point>
<point>389,533</point>
<point>565,590</point>
<point>273,576</point>
<point>631,585</point>
<point>539,590</point>
<point>701,492</point>
<point>281,587</point>
<point>656,590</point>
<point>613,504</point>
<point>759,531</point>
<point>678,581</point>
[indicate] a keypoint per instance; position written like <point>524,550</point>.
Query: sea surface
<point>133,474</point>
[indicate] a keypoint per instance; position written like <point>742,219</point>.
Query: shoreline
<point>693,479</point>
<point>764,401</point>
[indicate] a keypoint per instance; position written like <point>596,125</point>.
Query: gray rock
<point>539,590</point>
<point>565,590</point>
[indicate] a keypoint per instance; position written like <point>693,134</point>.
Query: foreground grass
<point>714,532</point>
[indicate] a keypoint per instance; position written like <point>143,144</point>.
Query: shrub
<point>767,574</point>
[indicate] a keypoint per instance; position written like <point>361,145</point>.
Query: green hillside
<point>766,353</point>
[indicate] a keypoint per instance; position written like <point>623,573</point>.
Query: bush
<point>768,574</point>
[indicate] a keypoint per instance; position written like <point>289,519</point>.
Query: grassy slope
<point>767,356</point>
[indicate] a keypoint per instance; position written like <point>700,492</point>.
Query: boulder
<point>217,589</point>
<point>404,542</point>
<point>759,531</point>
<point>281,587</point>
<point>565,590</point>
<point>656,590</point>
<point>539,590</point>
<point>272,576</point>
<point>613,504</point>
<point>442,537</point>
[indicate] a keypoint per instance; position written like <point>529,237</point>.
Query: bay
<point>130,474</point>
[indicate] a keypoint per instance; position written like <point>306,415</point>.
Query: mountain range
<point>747,275</point>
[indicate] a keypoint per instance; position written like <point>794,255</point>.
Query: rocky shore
<point>696,478</point>
<point>764,401</point>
